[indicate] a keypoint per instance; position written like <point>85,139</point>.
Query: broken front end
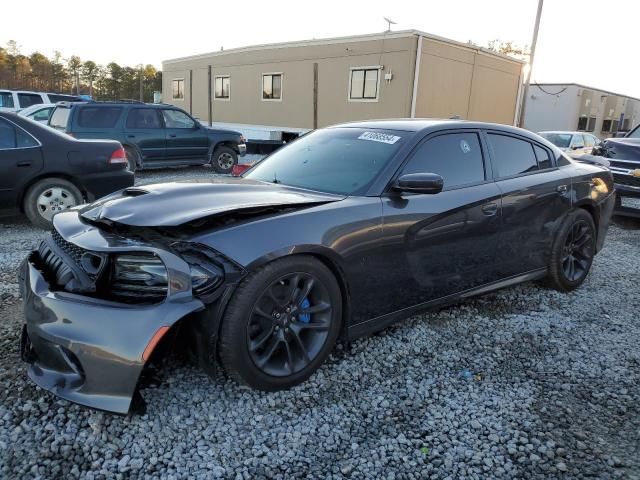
<point>97,303</point>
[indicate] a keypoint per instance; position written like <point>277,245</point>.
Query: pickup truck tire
<point>133,158</point>
<point>47,197</point>
<point>223,159</point>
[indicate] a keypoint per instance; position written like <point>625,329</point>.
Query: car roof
<point>424,124</point>
<point>566,132</point>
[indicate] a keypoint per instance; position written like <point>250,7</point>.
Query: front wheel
<point>223,159</point>
<point>281,324</point>
<point>572,252</point>
<point>47,197</point>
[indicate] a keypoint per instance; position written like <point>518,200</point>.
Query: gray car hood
<point>172,204</point>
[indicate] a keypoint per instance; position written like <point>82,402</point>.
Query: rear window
<point>98,117</point>
<point>560,140</point>
<point>6,100</point>
<point>59,118</point>
<point>512,156</point>
<point>28,99</point>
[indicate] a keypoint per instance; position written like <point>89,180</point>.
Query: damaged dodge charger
<point>337,235</point>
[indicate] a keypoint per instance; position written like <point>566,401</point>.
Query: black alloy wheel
<point>289,324</point>
<point>572,252</point>
<point>577,251</point>
<point>281,323</point>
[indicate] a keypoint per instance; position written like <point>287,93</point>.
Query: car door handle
<point>24,164</point>
<point>490,209</point>
<point>131,136</point>
<point>173,135</point>
<point>561,188</point>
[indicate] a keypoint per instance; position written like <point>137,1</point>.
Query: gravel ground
<point>523,383</point>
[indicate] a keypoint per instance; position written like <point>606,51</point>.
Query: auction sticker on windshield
<point>379,137</point>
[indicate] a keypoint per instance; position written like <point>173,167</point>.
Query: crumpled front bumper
<point>88,350</point>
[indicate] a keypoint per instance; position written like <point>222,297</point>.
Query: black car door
<point>440,244</point>
<point>144,128</point>
<point>185,138</point>
<point>535,197</point>
<point>20,160</point>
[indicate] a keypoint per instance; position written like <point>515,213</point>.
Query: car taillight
<point>118,156</point>
<point>238,170</point>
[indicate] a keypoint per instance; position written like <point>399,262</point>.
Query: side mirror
<point>419,183</point>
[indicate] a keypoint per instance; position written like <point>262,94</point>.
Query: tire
<point>265,352</point>
<point>133,158</point>
<point>47,197</point>
<point>223,159</point>
<point>573,248</point>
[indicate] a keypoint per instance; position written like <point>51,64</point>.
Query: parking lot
<point>523,383</point>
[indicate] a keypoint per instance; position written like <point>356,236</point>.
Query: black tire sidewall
<point>31,198</point>
<point>219,151</point>
<point>133,158</point>
<point>557,278</point>
<point>233,347</point>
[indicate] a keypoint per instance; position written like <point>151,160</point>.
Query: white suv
<point>15,100</point>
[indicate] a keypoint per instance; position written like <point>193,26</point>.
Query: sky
<point>580,41</point>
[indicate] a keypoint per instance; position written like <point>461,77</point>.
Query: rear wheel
<point>281,324</point>
<point>572,252</point>
<point>47,197</point>
<point>223,159</point>
<point>133,158</point>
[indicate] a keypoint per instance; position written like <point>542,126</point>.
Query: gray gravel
<point>523,383</point>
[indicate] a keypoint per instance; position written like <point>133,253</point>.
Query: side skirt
<point>373,325</point>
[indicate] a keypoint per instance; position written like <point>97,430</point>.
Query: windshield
<point>635,133</point>
<point>561,140</point>
<point>335,160</point>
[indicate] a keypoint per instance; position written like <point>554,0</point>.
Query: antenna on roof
<point>389,23</point>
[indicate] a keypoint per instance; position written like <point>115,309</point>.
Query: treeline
<point>75,76</point>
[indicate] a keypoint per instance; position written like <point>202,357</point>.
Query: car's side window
<point>7,135</point>
<point>177,119</point>
<point>544,159</point>
<point>28,99</point>
<point>456,157</point>
<point>143,118</point>
<point>577,142</point>
<point>14,137</point>
<point>41,115</point>
<point>512,156</point>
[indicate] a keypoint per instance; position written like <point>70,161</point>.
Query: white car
<point>16,100</point>
<point>39,113</point>
<point>577,143</point>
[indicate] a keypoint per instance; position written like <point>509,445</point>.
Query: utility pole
<point>527,80</point>
<point>141,90</point>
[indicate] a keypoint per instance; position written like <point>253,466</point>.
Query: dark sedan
<point>336,235</point>
<point>45,172</point>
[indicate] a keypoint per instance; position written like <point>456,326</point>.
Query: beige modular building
<point>297,86</point>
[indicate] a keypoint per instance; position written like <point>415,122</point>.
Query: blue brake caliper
<point>305,317</point>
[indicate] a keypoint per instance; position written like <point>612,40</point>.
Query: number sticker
<point>379,137</point>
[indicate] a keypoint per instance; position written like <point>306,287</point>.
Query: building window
<point>222,87</point>
<point>606,126</point>
<point>582,123</point>
<point>363,84</point>
<point>272,86</point>
<point>592,124</point>
<point>177,89</point>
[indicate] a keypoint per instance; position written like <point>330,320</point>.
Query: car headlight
<point>139,277</point>
<point>207,271</point>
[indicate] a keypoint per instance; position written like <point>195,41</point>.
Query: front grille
<point>55,269</point>
<point>628,180</point>
<point>69,248</point>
